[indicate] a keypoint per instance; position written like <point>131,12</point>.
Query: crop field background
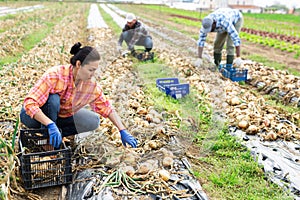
<point>237,140</point>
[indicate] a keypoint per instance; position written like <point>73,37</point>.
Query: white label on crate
<point>178,96</point>
<point>41,142</point>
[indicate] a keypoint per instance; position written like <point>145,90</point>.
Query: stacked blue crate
<point>172,87</point>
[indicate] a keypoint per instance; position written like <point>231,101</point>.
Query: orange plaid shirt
<point>59,80</point>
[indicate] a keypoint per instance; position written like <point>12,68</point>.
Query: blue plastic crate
<point>172,87</point>
<point>178,91</point>
<point>232,73</point>
<point>226,66</point>
<point>162,82</point>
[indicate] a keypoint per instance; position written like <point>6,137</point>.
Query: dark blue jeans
<point>145,41</point>
<point>83,120</point>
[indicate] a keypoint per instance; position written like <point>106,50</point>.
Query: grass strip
<point>28,42</point>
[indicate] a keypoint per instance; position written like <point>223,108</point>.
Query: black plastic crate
<point>145,56</point>
<point>39,167</point>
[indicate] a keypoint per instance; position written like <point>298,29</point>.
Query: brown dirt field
<point>282,57</point>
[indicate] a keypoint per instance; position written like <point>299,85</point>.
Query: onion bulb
<point>129,170</point>
<point>144,168</point>
<point>152,144</point>
<point>164,174</point>
<point>234,101</point>
<point>252,129</point>
<point>243,124</point>
<point>271,136</point>
<point>167,161</point>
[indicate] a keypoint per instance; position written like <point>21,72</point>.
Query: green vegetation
<point>2,195</point>
<point>252,20</point>
<point>277,27</point>
<point>224,166</point>
<point>31,40</point>
<point>275,17</point>
<point>186,22</point>
<point>6,17</point>
<point>186,106</point>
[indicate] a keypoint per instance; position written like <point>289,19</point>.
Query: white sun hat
<point>130,17</point>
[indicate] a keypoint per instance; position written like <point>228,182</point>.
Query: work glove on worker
<point>119,49</point>
<point>125,53</point>
<point>130,47</point>
<point>55,135</point>
<point>208,58</point>
<point>210,64</point>
<point>132,51</point>
<point>197,62</point>
<point>237,62</point>
<point>128,138</point>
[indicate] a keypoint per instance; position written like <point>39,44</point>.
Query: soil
<point>285,58</point>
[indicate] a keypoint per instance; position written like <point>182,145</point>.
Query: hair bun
<point>75,48</point>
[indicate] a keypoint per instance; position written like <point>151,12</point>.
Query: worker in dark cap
<point>134,33</point>
<point>227,23</point>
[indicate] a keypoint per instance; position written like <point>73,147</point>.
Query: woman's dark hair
<point>85,54</point>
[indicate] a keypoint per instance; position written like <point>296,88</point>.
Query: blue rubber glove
<point>128,138</point>
<point>131,48</point>
<point>54,134</point>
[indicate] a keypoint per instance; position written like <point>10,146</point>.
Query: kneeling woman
<point>58,99</point>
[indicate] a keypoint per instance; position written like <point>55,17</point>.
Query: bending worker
<point>134,33</point>
<point>227,23</point>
